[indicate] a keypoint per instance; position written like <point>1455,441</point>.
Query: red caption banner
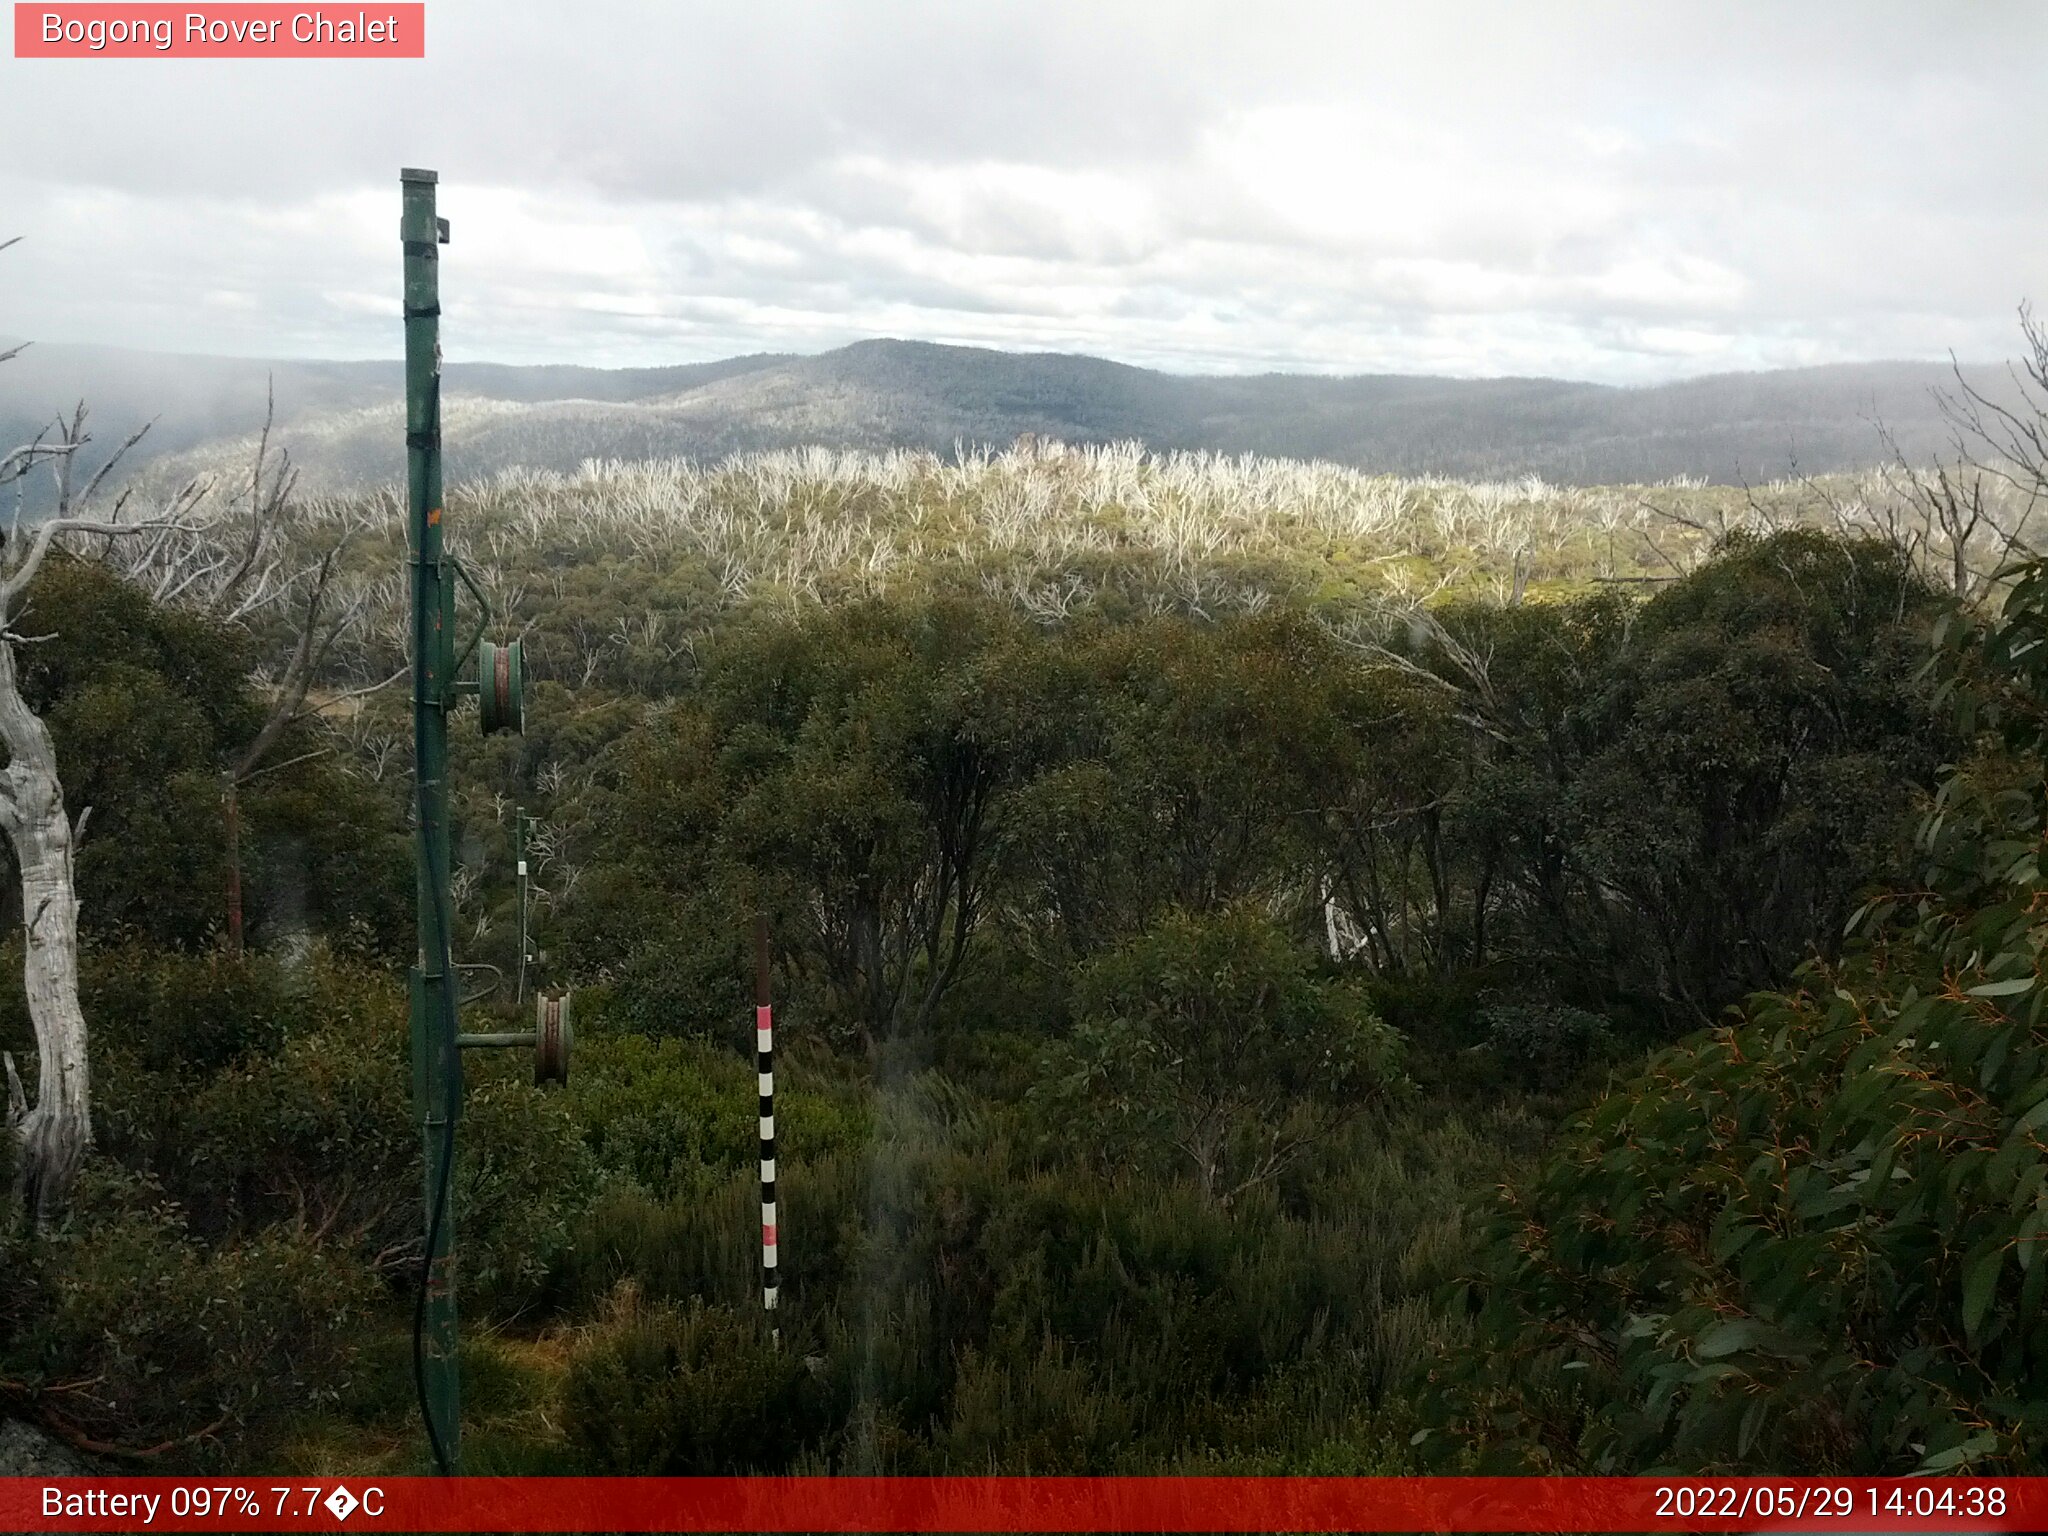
<point>259,31</point>
<point>1053,1504</point>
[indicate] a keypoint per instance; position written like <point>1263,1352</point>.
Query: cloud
<point>1599,191</point>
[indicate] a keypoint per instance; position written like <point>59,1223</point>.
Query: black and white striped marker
<point>764,1060</point>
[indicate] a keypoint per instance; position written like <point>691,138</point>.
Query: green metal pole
<point>437,1062</point>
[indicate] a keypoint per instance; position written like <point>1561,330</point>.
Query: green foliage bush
<point>1806,1241</point>
<point>123,1329</point>
<point>1049,1414</point>
<point>317,1131</point>
<point>179,1012</point>
<point>326,853</point>
<point>677,964</point>
<point>1662,804</point>
<point>1208,1041</point>
<point>664,1113</point>
<point>1190,757</point>
<point>674,1116</point>
<point>948,1283</point>
<point>524,1175</point>
<point>1545,1045</point>
<point>1682,799</point>
<point>660,1390</point>
<point>1812,1238</point>
<point>322,1134</point>
<point>148,706</point>
<point>262,1095</point>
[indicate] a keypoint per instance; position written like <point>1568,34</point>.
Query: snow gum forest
<point>1278,968</point>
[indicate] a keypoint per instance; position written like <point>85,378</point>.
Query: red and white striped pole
<point>764,1060</point>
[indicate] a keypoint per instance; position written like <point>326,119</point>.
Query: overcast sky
<point>1623,193</point>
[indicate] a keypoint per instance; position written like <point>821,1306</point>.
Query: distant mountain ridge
<point>339,418</point>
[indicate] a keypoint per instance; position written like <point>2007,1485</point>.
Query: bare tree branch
<point>290,762</point>
<point>298,678</point>
<point>343,697</point>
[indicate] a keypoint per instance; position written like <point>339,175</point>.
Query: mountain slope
<point>193,400</point>
<point>340,419</point>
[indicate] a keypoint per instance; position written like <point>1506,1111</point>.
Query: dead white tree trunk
<point>53,1133</point>
<point>54,1130</point>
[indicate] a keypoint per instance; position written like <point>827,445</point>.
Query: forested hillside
<point>1730,429</point>
<point>1198,887</point>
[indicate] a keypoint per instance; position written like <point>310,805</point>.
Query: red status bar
<point>964,1504</point>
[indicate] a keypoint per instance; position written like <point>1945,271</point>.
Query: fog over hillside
<point>341,419</point>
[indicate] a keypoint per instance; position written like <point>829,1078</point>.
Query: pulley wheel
<point>551,1038</point>
<point>500,687</point>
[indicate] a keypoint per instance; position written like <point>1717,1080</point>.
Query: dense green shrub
<point>127,1331</point>
<point>1667,802</point>
<point>1191,758</point>
<point>326,853</point>
<point>1545,1045</point>
<point>685,970</point>
<point>1113,1180</point>
<point>322,1134</point>
<point>317,1132</point>
<point>1809,1241</point>
<point>675,1116</point>
<point>524,1177</point>
<point>148,706</point>
<point>263,1095</point>
<point>181,1042</point>
<point>660,1390</point>
<point>1209,1044</point>
<point>1682,799</point>
<point>664,1113</point>
<point>1049,1414</point>
<point>1812,1239</point>
<point>162,1011</point>
<point>945,1281</point>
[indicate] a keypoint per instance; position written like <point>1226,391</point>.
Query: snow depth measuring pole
<point>436,1005</point>
<point>764,1060</point>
